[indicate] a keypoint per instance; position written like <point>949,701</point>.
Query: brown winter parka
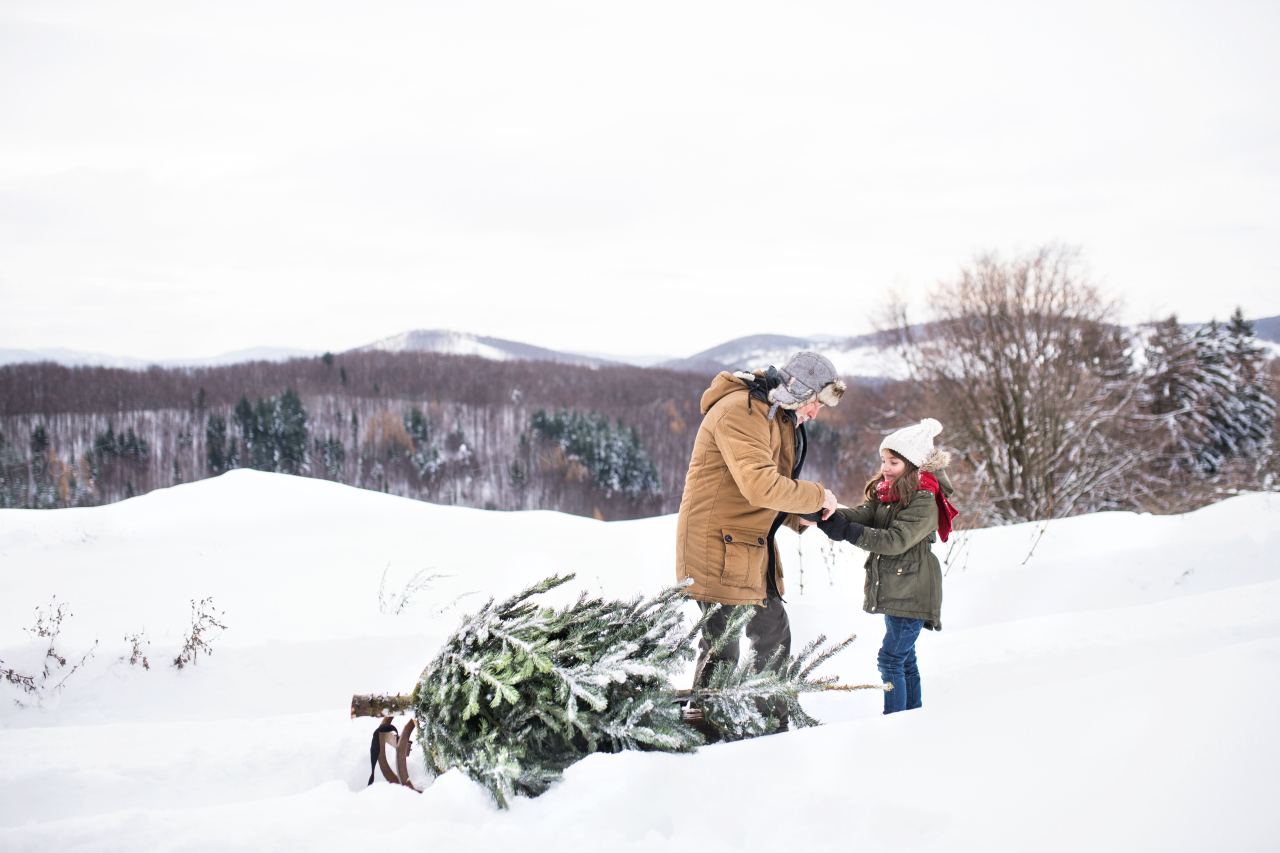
<point>740,487</point>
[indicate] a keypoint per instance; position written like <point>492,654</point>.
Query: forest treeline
<point>449,429</point>
<point>1051,408</point>
<point>610,442</point>
<point>46,388</point>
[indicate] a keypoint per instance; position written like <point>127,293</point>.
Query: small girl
<point>897,520</point>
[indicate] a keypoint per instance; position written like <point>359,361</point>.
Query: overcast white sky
<point>182,179</point>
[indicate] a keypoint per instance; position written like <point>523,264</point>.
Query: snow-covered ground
<point>1118,691</point>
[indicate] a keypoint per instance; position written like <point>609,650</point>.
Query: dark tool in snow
<point>387,734</point>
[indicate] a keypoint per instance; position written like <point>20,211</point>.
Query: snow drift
<point>1105,682</point>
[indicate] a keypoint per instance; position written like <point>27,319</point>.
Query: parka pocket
<point>900,567</point>
<point>901,583</point>
<point>745,557</point>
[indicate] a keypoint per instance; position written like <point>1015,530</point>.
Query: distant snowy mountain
<point>1268,329</point>
<point>77,358</point>
<point>864,355</point>
<point>70,358</point>
<point>242,355</point>
<point>464,343</point>
<point>858,356</point>
<point>633,360</point>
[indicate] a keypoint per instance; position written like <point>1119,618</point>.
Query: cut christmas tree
<point>521,691</point>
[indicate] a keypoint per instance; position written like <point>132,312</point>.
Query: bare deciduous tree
<point>1035,384</point>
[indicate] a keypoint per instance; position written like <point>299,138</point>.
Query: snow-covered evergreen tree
<point>1208,388</point>
<point>428,448</point>
<point>1257,408</point>
<point>274,432</point>
<point>218,456</point>
<point>332,455</point>
<point>612,454</point>
<point>1186,383</point>
<point>519,692</point>
<point>44,492</point>
<point>1218,400</point>
<point>289,432</point>
<point>252,434</point>
<point>13,475</point>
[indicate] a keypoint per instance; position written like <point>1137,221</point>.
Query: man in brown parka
<point>741,487</point>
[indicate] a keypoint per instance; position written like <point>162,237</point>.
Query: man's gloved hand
<point>840,530</point>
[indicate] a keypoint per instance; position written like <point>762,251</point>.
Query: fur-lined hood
<point>726,383</point>
<point>937,461</point>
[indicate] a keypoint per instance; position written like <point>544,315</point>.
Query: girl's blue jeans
<point>897,663</point>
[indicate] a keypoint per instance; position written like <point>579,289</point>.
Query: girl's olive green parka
<point>904,578</point>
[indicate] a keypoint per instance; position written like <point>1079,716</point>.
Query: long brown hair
<point>905,486</point>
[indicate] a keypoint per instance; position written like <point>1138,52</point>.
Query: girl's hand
<point>839,530</point>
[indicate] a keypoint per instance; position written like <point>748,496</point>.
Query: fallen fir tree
<point>521,691</point>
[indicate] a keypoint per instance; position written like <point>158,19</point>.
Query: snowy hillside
<point>76,358</point>
<point>464,343</point>
<point>1103,682</point>
<point>859,356</point>
<point>864,355</point>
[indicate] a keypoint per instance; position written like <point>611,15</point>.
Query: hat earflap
<point>773,398</point>
<point>832,392</point>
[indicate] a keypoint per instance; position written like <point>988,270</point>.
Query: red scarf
<point>928,483</point>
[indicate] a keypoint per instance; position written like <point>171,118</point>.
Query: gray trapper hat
<point>807,376</point>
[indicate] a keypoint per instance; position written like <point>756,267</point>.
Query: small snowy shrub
<point>395,602</point>
<point>203,623</point>
<point>53,669</point>
<point>136,641</point>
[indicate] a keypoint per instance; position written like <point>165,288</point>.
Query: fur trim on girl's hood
<point>937,461</point>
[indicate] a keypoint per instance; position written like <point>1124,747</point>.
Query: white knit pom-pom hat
<point>915,444</point>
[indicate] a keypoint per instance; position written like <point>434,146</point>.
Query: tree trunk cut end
<point>380,705</point>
